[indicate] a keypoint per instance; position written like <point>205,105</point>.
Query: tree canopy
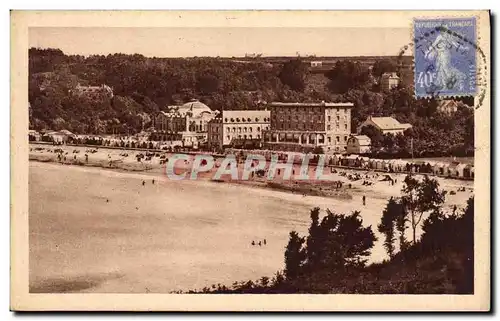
<point>144,85</point>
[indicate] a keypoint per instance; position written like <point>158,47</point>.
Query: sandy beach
<point>102,230</point>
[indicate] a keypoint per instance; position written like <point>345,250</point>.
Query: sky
<point>223,42</point>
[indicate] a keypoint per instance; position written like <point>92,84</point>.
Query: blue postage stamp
<point>445,57</point>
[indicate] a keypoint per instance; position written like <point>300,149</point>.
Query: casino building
<point>304,127</point>
<point>187,123</point>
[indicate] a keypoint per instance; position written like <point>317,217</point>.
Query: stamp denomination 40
<point>445,60</point>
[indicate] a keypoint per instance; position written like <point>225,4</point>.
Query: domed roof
<point>195,107</point>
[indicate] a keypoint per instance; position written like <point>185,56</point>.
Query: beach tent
<point>338,159</point>
<point>446,169</point>
<point>452,171</point>
<point>391,164</point>
<point>385,164</point>
<point>397,165</point>
<point>364,161</point>
<point>34,135</point>
<point>438,168</point>
<point>370,163</point>
<point>427,167</point>
<point>332,159</point>
<point>402,165</point>
<point>416,165</point>
<point>343,161</point>
<point>461,170</point>
<point>468,170</point>
<point>352,160</point>
<point>379,164</point>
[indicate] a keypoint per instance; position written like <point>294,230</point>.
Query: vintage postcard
<point>250,161</point>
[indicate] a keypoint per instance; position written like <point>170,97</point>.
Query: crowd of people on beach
<point>452,169</point>
<point>337,164</point>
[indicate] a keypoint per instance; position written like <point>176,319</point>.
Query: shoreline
<point>154,172</point>
<point>350,179</point>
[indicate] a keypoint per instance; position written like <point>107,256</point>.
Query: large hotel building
<point>303,127</point>
<point>237,128</point>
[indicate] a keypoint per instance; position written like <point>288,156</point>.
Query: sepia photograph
<point>187,153</point>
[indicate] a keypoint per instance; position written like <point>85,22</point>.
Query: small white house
<point>358,144</point>
<point>386,125</point>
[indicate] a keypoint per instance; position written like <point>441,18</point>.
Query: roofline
<point>321,104</point>
<point>252,111</point>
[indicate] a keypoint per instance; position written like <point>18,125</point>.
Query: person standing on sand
<point>153,181</point>
<point>260,243</point>
<point>253,243</point>
<point>265,242</point>
<point>143,183</point>
<point>364,200</point>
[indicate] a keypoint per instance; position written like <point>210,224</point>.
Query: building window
<point>239,129</point>
<point>232,120</point>
<point>338,139</point>
<point>244,129</point>
<point>345,126</point>
<point>228,137</point>
<point>239,136</point>
<point>345,138</point>
<point>329,118</point>
<point>228,130</point>
<point>225,120</point>
<point>250,129</point>
<point>250,136</point>
<point>329,140</point>
<point>256,119</point>
<point>248,119</point>
<point>338,118</point>
<point>258,136</point>
<point>328,127</point>
<point>258,128</point>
